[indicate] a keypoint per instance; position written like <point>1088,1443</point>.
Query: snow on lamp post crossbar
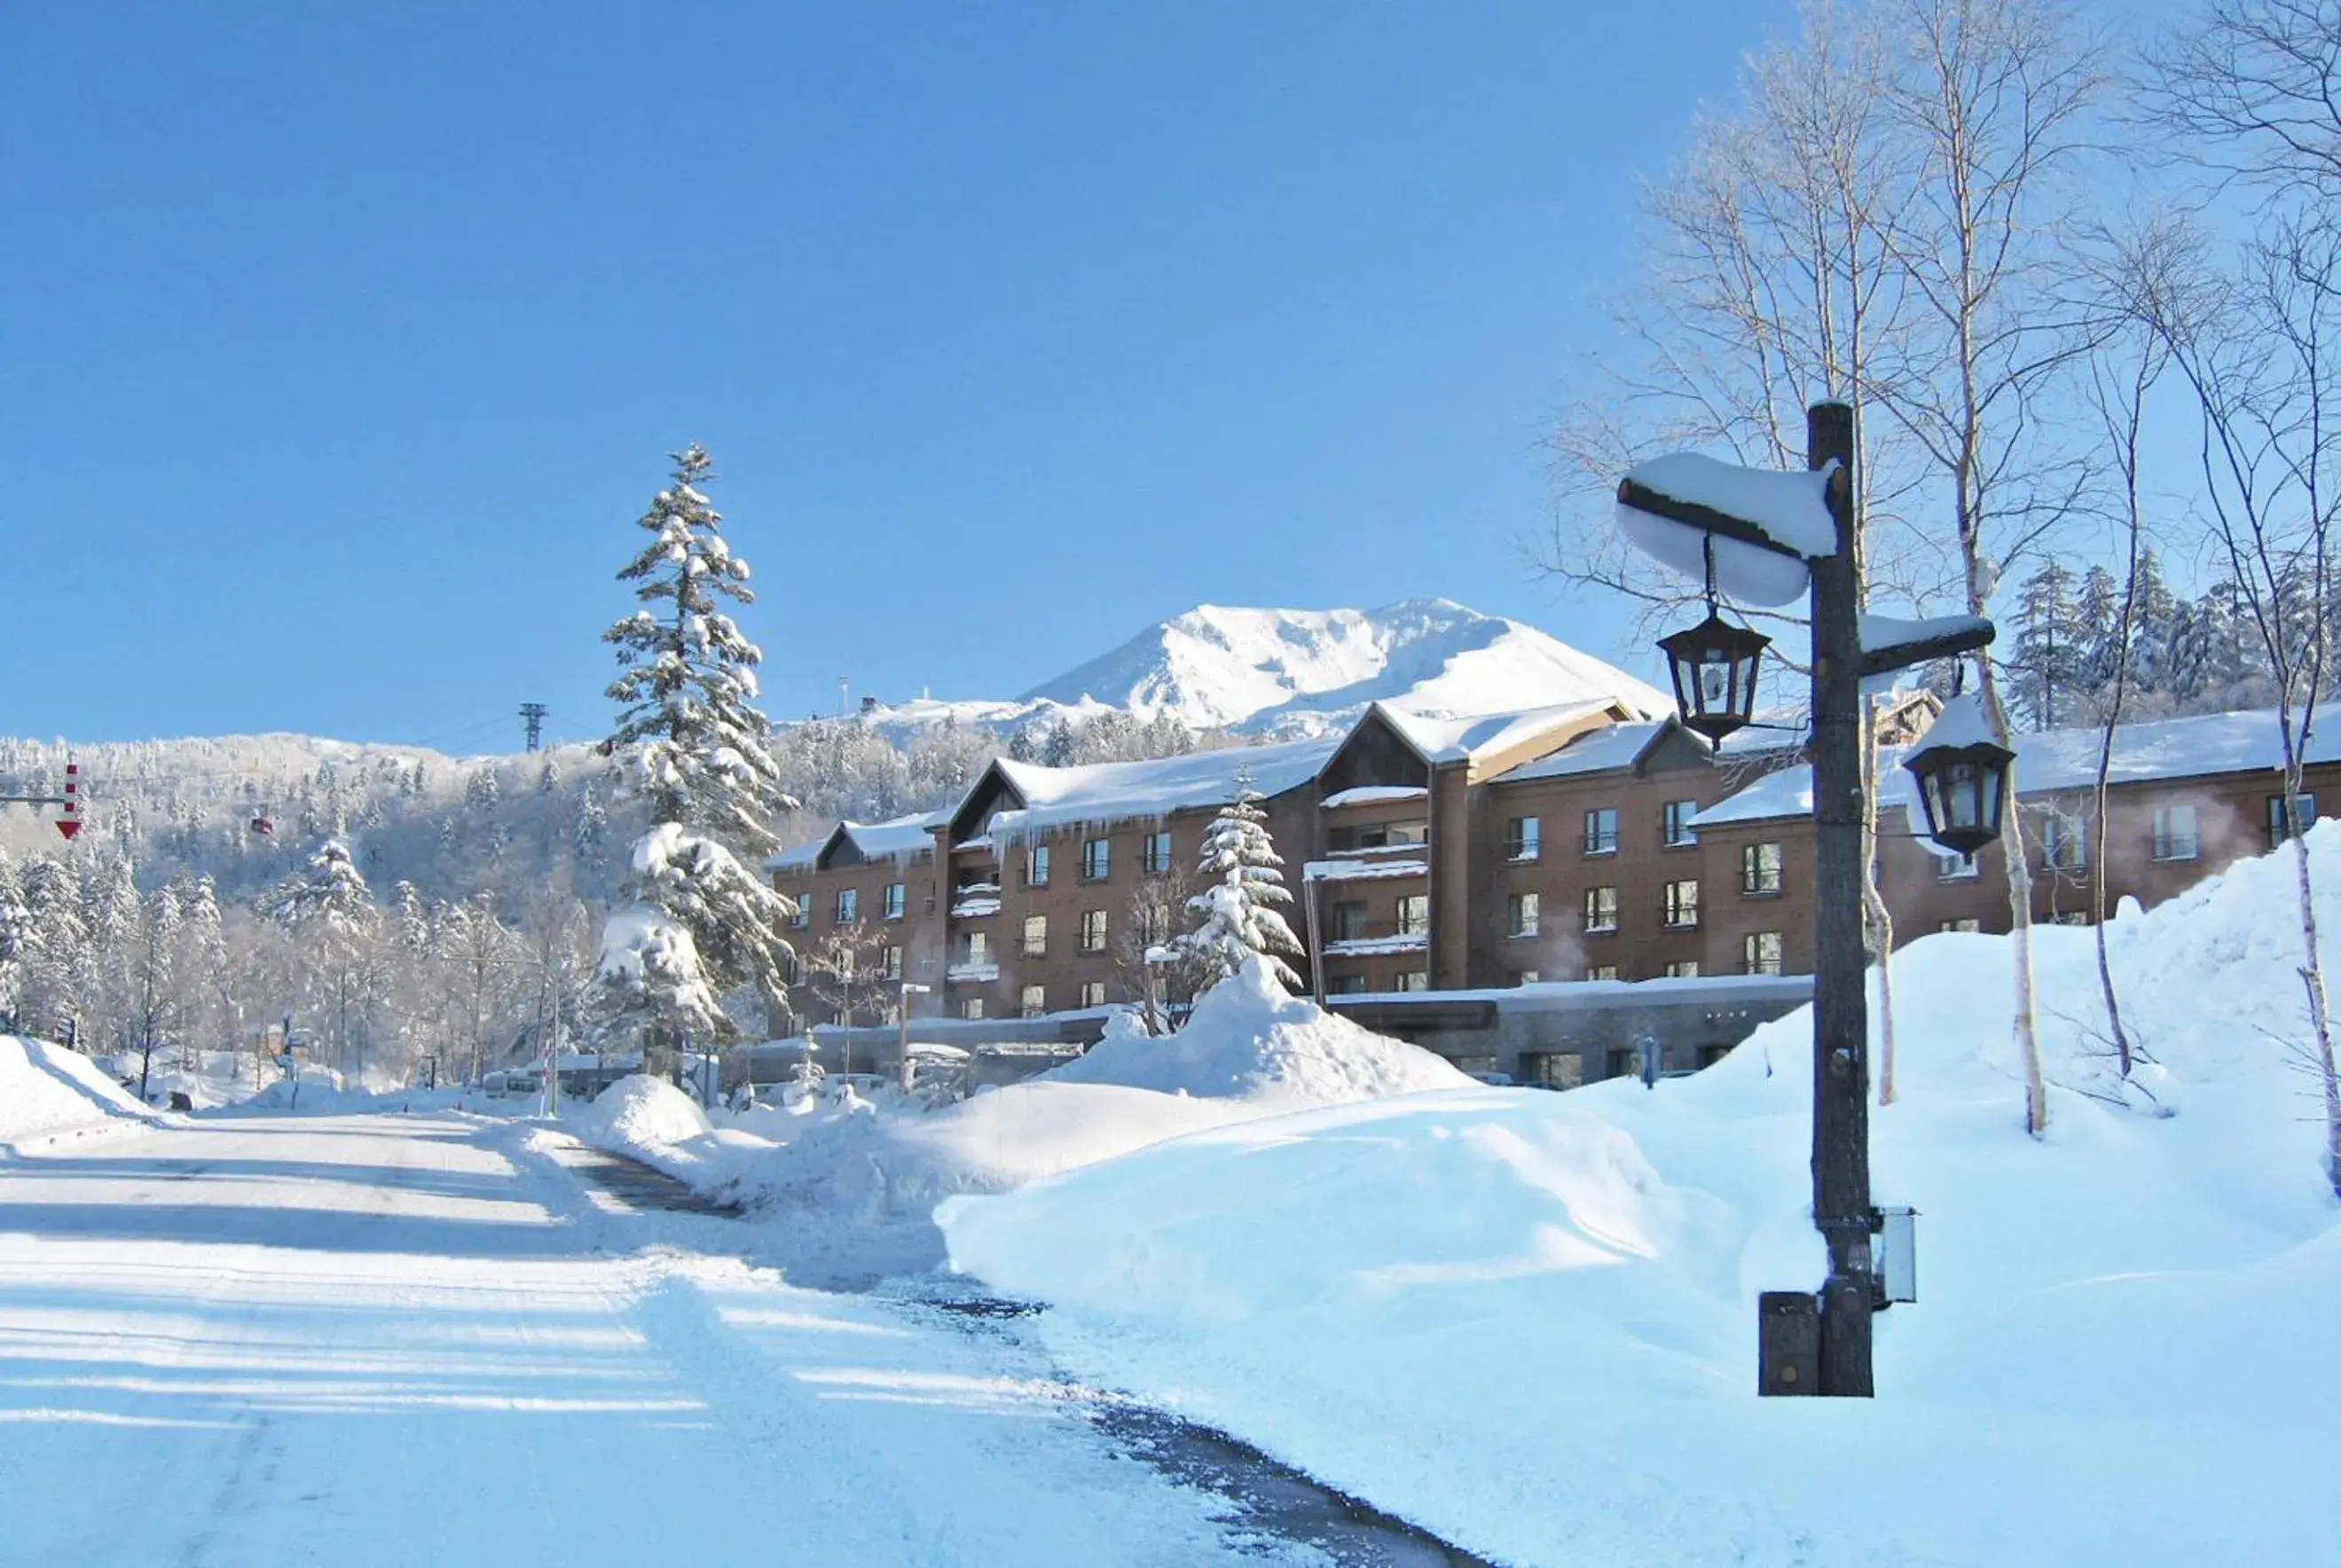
<point>1764,538</point>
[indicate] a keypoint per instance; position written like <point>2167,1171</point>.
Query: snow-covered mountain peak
<point>1287,671</point>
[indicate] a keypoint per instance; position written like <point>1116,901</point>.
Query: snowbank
<point>1248,1039</point>
<point>870,1173</point>
<point>48,1092</point>
<point>648,1120</point>
<point>1527,1320</point>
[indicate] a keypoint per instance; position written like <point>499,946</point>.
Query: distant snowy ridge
<point>1299,672</point>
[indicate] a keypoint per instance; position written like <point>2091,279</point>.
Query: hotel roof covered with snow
<point>1435,857</point>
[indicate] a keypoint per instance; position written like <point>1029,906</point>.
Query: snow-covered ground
<point>270,1341</point>
<point>849,1186</point>
<point>50,1094</point>
<point>1526,1321</point>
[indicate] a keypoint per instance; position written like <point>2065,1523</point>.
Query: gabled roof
<point>1121,792</point>
<point>2051,762</point>
<point>1619,746</point>
<point>890,841</point>
<point>1489,742</point>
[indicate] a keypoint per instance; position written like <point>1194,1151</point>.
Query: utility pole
<point>1807,1343</point>
<point>532,714</point>
<point>1841,1206</point>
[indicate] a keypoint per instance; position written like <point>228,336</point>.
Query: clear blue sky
<point>343,343</point>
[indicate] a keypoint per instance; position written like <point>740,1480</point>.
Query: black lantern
<point>1714,669</point>
<point>1962,774</point>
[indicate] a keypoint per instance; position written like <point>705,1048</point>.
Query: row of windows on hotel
<point>2064,846</point>
<point>2064,839</point>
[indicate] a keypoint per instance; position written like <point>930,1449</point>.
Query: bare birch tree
<point>1995,93</point>
<point>1769,287</point>
<point>2251,88</point>
<point>2129,361</point>
<point>2256,349</point>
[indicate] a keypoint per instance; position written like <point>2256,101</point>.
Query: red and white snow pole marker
<point>70,823</point>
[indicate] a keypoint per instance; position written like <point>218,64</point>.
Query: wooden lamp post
<point>1771,520</point>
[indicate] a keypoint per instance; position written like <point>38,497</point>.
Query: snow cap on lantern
<point>1962,773</point>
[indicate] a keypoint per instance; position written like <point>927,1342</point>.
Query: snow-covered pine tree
<point>2045,665</point>
<point>328,913</point>
<point>688,723</point>
<point>693,924</point>
<point>1237,908</point>
<point>57,953</point>
<point>207,979</point>
<point>15,942</point>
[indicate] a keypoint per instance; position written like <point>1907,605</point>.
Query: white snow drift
<point>48,1091</point>
<point>1527,1320</point>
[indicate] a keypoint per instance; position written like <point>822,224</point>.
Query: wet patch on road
<point>1266,1498</point>
<point>635,1185</point>
<point>1273,1498</point>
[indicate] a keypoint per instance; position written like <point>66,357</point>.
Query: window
<point>1413,914</point>
<point>1413,980</point>
<point>1036,866</point>
<point>2175,836</point>
<point>1601,908</point>
<point>849,905</point>
<point>1093,930</point>
<point>1156,856</point>
<point>1601,830</point>
<point>1094,993</point>
<point>1349,920</point>
<point>1526,977</point>
<point>892,968</point>
<point>1600,971</point>
<point>1097,860</point>
<point>1674,825</point>
<point>1520,915</point>
<point>1036,935</point>
<point>1553,1070</point>
<point>1759,871</point>
<point>2304,814</point>
<point>1523,838</point>
<point>1032,1001</point>
<point>2069,917</point>
<point>971,1009</point>
<point>1346,985</point>
<point>1759,953</point>
<point>1969,925</point>
<point>979,948</point>
<point>1956,868</point>
<point>1154,925</point>
<point>1377,836</point>
<point>1681,905</point>
<point>803,917</point>
<point>792,970</point>
<point>1683,970</point>
<point>2064,844</point>
<point>893,900</point>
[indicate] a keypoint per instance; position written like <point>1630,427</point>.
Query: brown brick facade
<point>1439,871</point>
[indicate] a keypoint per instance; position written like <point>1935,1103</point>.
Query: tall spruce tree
<point>1236,911</point>
<point>688,728</point>
<point>693,924</point>
<point>16,940</point>
<point>327,911</point>
<point>2050,647</point>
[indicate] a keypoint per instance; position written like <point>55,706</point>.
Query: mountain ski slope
<point>1307,671</point>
